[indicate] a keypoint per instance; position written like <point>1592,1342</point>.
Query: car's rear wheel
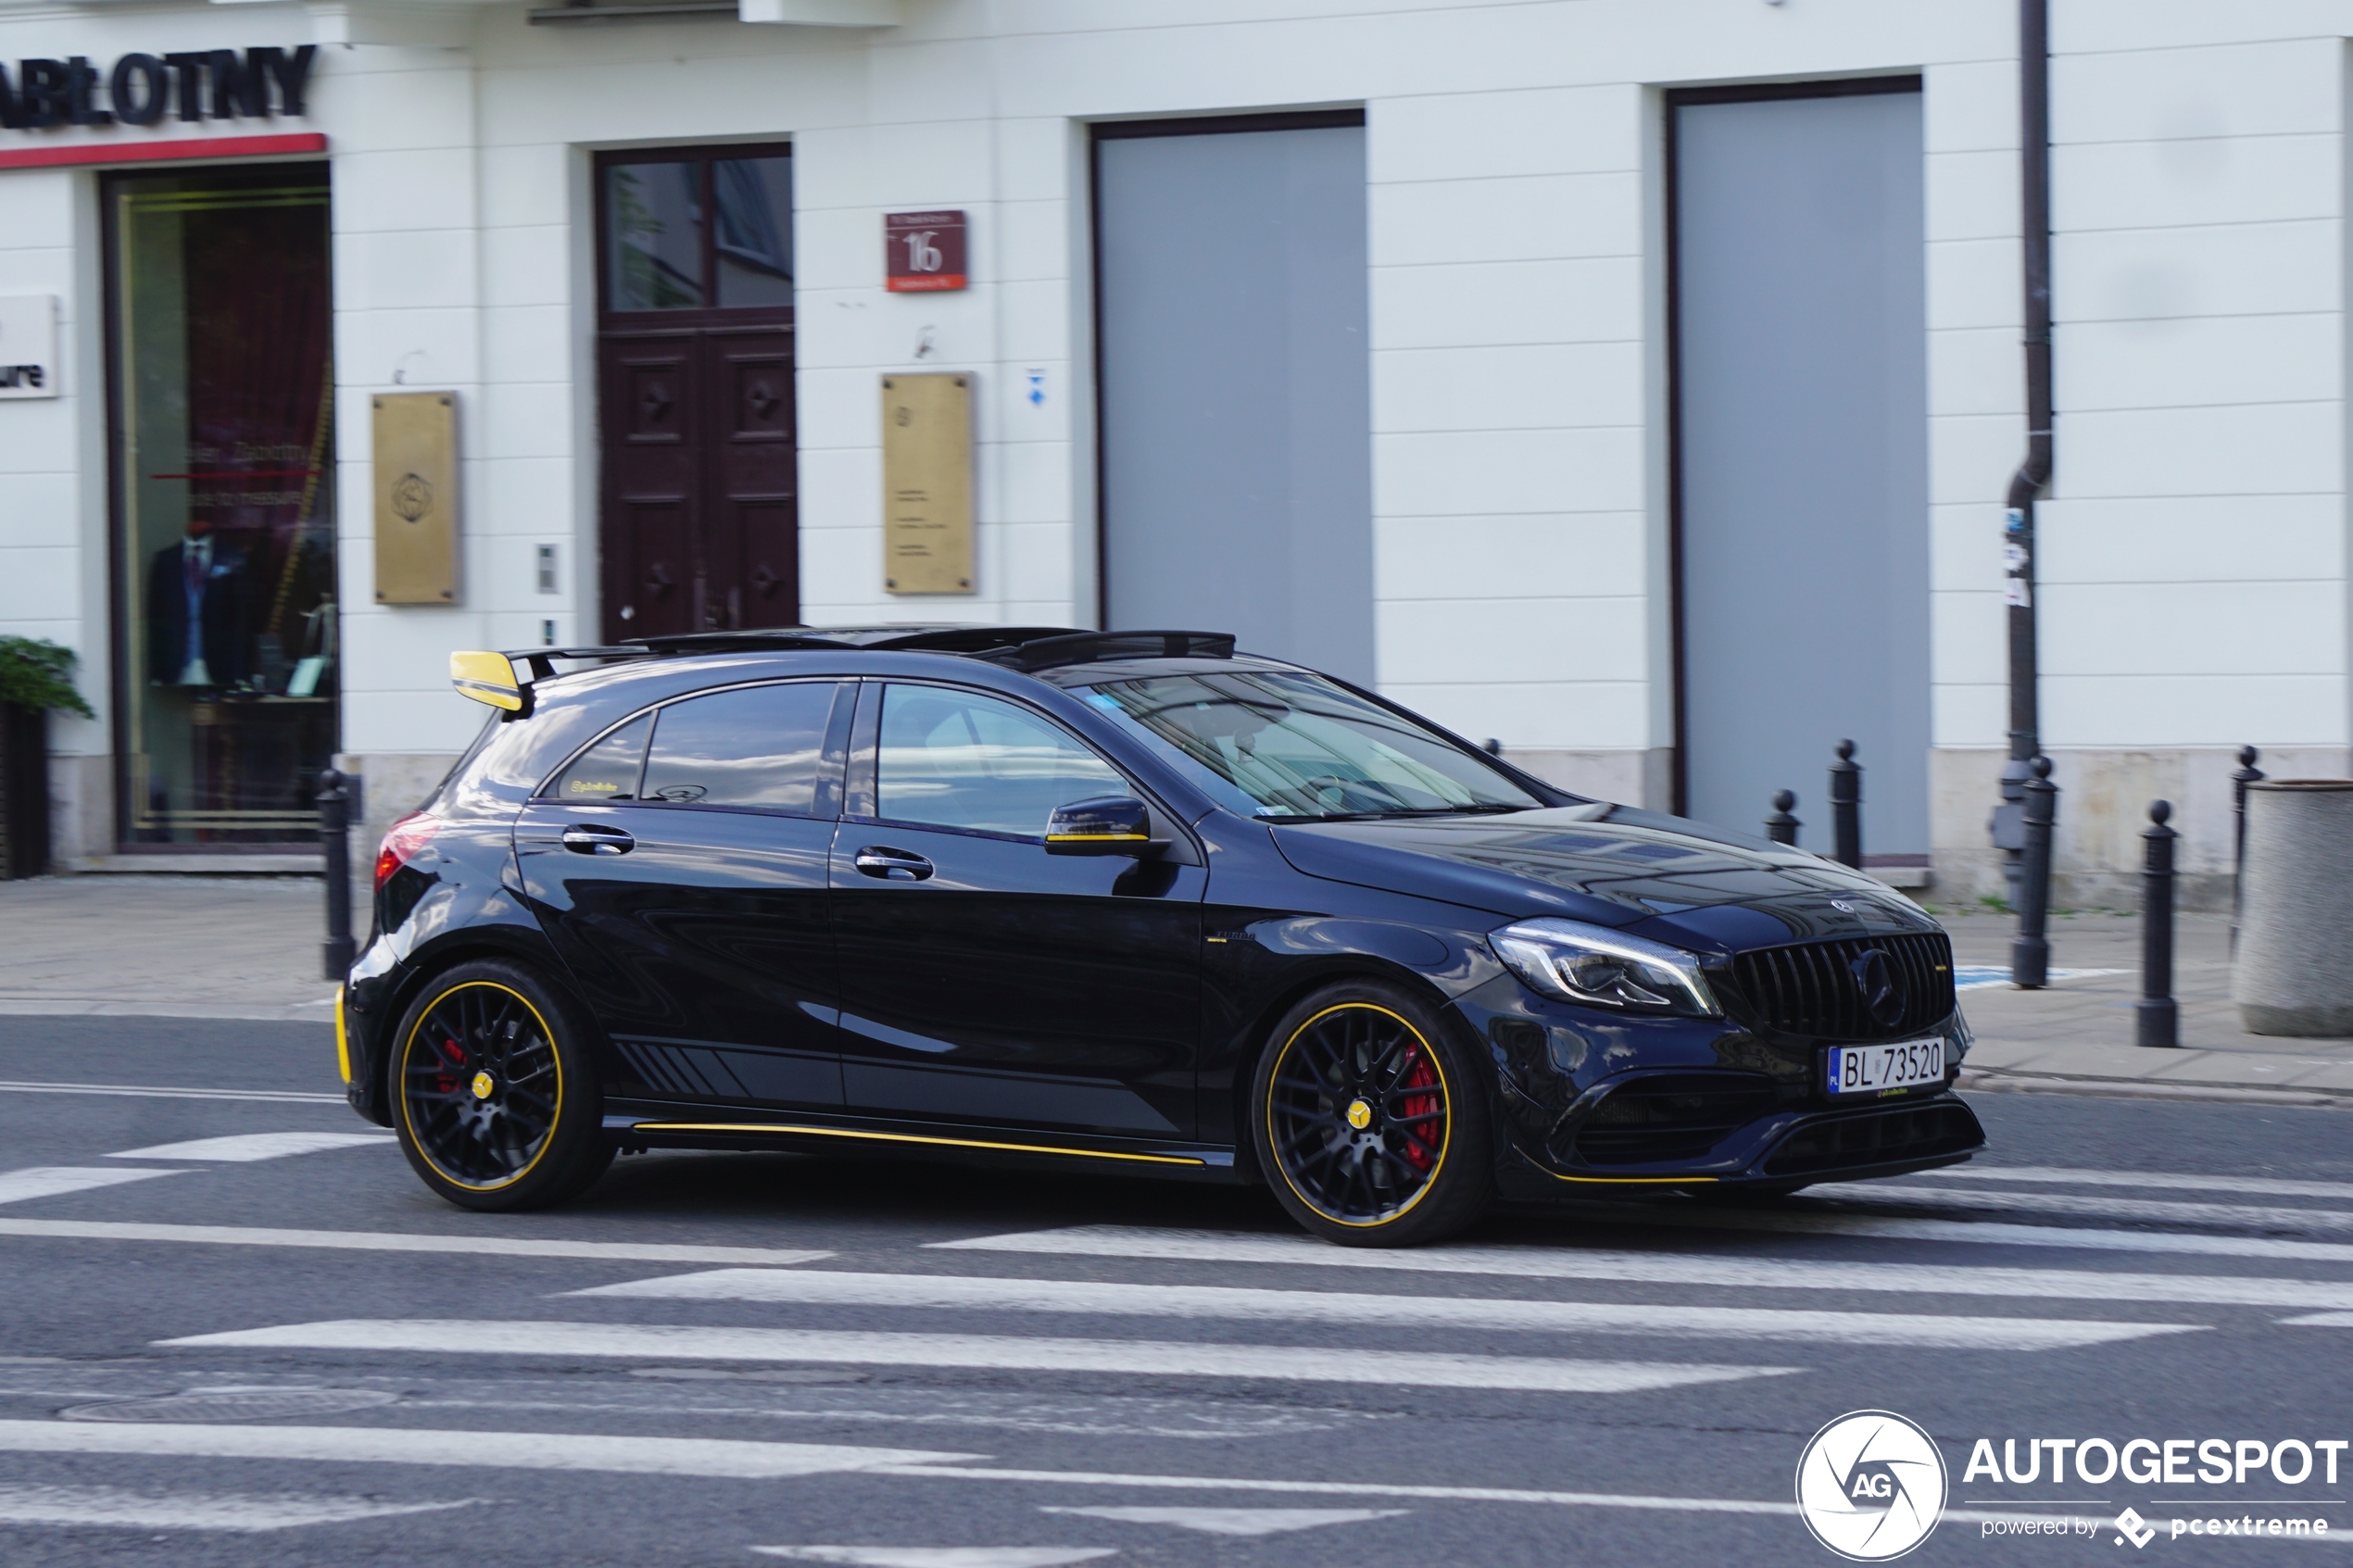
<point>1369,1120</point>
<point>493,1092</point>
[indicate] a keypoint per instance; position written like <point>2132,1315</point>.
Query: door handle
<point>585,839</point>
<point>892,865</point>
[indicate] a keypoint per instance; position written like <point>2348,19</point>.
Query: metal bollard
<point>1846,807</point>
<point>334,842</point>
<point>2031,954</point>
<point>2248,773</point>
<point>2157,1021</point>
<point>1780,827</point>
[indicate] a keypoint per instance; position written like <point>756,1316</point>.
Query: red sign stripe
<point>159,151</point>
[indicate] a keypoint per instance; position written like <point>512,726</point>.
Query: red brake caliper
<point>1422,1076</point>
<point>448,1082</point>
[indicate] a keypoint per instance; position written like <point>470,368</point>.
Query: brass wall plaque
<point>416,461</point>
<point>927,483</point>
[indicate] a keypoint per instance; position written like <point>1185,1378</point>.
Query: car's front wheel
<point>1370,1120</point>
<point>494,1094</point>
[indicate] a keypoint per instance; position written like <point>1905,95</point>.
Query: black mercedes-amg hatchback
<point>1122,901</point>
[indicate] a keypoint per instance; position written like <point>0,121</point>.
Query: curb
<point>1984,1082</point>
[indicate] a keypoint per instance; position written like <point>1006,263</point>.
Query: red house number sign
<point>923,252</point>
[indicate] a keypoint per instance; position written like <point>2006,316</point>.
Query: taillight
<point>405,840</point>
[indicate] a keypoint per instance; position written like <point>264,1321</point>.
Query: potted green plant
<point>35,676</point>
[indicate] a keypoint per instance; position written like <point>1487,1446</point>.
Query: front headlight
<point>1598,967</point>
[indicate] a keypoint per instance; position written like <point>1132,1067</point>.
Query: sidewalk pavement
<point>2076,1037</point>
<point>173,947</point>
<point>221,948</point>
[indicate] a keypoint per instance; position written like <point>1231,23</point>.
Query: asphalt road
<point>299,1356</point>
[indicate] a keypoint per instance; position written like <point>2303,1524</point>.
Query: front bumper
<point>1589,1101</point>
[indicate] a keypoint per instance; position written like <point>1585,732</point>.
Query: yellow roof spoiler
<point>488,678</point>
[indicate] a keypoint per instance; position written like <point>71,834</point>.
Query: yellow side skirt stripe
<point>903,1137</point>
<point>1633,1181</point>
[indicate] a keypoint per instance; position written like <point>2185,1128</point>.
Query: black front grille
<point>1671,1116</point>
<point>1882,1138</point>
<point>1810,988</point>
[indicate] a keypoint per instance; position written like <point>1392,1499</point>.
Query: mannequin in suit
<point>197,621</point>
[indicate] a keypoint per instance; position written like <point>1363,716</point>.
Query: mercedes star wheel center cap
<point>483,1085</point>
<point>1360,1115</point>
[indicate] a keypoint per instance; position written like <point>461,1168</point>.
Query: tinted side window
<point>607,770</point>
<point>963,760</point>
<point>757,747</point>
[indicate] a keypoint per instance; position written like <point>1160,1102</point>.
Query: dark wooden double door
<point>700,505</point>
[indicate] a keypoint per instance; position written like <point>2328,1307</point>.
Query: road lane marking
<point>1237,1520</point>
<point>2072,1204</point>
<point>1989,1233</point>
<point>1647,1267</point>
<point>942,1556</point>
<point>119,1508</point>
<point>393,1241</point>
<point>1297,1364</point>
<point>51,1181</point>
<point>274,1096</point>
<point>244,1147</point>
<point>2067,1176</point>
<point>2323,1320</point>
<point>727,1459</point>
<point>1107,1299</point>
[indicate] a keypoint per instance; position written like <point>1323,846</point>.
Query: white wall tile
<point>1595,301</point>
<point>1454,473</point>
<point>2191,540</point>
<point>1485,135</point>
<point>2186,361</point>
<point>1530,219</point>
<point>2169,185</point>
<point>2143,95</point>
<point>2234,270</point>
<point>1536,387</point>
<point>2251,450</point>
<point>1579,554</point>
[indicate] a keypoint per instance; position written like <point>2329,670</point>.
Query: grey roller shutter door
<point>1235,389</point>
<point>1802,447</point>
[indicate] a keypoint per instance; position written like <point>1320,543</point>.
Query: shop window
<point>222,409</point>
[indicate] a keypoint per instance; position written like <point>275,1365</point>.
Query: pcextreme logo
<point>1870,1486</point>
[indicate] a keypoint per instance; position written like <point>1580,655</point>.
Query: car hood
<point>1679,881</point>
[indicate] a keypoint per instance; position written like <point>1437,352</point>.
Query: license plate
<point>1871,1069</point>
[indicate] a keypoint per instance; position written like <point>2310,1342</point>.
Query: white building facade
<point>1634,382</point>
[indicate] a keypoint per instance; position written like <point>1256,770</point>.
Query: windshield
<point>1283,745</point>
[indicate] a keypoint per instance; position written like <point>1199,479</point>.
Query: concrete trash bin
<point>2293,972</point>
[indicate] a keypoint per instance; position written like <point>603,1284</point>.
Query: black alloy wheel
<point>498,1105</point>
<point>1369,1120</point>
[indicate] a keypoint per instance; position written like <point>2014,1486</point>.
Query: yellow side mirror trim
<point>488,678</point>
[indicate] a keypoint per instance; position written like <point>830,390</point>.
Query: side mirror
<point>1111,824</point>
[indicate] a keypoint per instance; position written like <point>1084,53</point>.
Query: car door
<point>984,980</point>
<point>678,864</point>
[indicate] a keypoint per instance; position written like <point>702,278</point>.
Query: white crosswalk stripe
<point>1237,1520</point>
<point>244,1147</point>
<point>1650,1267</point>
<point>1913,1195</point>
<point>55,1180</point>
<point>1428,1369</point>
<point>122,1508</point>
<point>2140,1181</point>
<point>1107,1299</point>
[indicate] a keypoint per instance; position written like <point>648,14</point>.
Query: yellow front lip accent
<point>343,1039</point>
<point>1633,1181</point>
<point>904,1137</point>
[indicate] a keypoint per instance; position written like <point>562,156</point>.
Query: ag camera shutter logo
<point>1870,1486</point>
